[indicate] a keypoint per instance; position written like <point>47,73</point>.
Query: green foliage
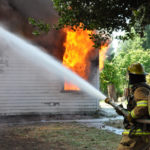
<point>148,79</point>
<point>39,25</point>
<point>137,42</point>
<point>146,42</point>
<point>99,38</point>
<point>116,74</point>
<point>133,44</point>
<point>105,15</point>
<point>108,75</point>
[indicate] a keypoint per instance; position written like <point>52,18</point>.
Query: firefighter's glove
<point>107,100</point>
<point>119,112</point>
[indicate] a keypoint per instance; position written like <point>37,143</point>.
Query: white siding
<point>25,90</point>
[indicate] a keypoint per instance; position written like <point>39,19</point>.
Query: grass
<point>115,123</point>
<point>57,136</point>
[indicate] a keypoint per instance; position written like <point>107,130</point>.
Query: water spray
<point>46,62</point>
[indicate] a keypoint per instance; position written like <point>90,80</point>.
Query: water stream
<point>48,64</point>
<point>45,62</point>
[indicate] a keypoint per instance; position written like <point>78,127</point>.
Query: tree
<point>105,16</point>
<point>116,72</point>
<point>133,44</point>
<point>148,79</point>
<point>137,42</point>
<point>108,75</point>
<point>146,42</point>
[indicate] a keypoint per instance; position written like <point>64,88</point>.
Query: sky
<point>115,42</point>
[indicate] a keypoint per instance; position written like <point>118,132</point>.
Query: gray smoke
<point>39,9</point>
<point>14,15</point>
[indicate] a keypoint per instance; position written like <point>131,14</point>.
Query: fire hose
<point>123,112</point>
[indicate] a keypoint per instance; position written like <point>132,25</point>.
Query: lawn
<point>56,136</point>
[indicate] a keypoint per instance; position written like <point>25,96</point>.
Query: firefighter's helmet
<point>136,69</point>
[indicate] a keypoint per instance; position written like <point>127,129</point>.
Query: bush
<point>115,71</point>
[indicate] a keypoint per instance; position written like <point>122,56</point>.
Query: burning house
<point>24,89</point>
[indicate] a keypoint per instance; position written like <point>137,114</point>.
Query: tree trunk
<point>112,92</point>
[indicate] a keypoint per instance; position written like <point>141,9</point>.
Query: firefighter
<point>136,136</point>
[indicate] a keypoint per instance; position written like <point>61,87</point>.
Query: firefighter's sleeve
<point>141,98</point>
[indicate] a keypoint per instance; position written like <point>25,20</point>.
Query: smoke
<point>14,15</point>
<point>39,9</point>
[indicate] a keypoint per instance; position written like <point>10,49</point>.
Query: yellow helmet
<point>137,69</point>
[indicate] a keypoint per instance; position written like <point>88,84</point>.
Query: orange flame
<point>102,55</point>
<point>77,46</point>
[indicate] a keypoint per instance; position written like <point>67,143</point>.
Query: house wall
<point>24,89</point>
